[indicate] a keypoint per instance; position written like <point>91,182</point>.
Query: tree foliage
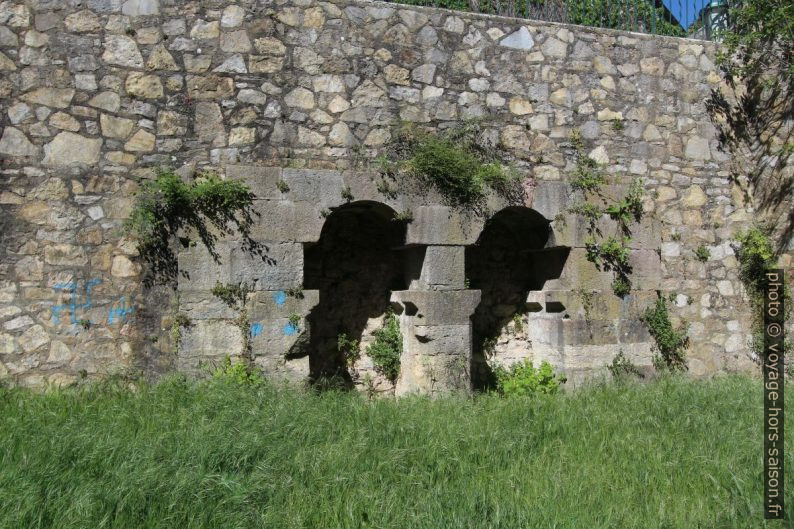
<point>754,108</point>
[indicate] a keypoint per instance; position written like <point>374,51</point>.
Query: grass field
<point>668,454</point>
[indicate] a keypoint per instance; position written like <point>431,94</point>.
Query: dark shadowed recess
<point>511,258</point>
<point>355,265</point>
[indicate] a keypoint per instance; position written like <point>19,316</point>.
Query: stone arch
<point>514,254</point>
<point>355,265</point>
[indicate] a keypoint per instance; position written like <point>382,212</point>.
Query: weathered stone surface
<point>82,21</point>
<point>697,149</point>
<point>135,8</point>
<point>15,143</point>
<point>519,40</point>
<point>51,97</point>
<point>141,141</point>
<point>122,51</point>
<point>68,148</point>
<point>161,59</point>
<point>113,127</point>
<point>143,86</point>
<point>114,88</point>
<point>109,101</point>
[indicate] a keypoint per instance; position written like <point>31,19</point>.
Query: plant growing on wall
<point>523,379</point>
<point>168,211</point>
<point>610,253</point>
<point>756,255</point>
<point>669,343</point>
<point>622,368</point>
<point>387,348</point>
<point>235,297</point>
<point>457,162</point>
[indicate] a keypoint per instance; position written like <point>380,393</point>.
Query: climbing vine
<point>609,253</point>
<point>670,343</point>
<point>235,297</point>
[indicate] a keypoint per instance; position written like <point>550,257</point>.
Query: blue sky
<point>685,10</point>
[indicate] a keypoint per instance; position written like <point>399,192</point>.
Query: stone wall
<point>94,94</point>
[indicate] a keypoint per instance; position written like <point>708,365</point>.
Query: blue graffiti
<point>280,297</point>
<point>73,305</point>
<point>256,330</point>
<point>290,329</point>
<point>119,311</point>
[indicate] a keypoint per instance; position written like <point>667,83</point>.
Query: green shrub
<point>454,161</point>
<point>387,348</point>
<point>670,343</point>
<point>622,368</point>
<point>169,210</point>
<point>522,379</point>
<point>756,255</point>
<point>238,373</point>
<point>348,348</point>
<point>702,253</point>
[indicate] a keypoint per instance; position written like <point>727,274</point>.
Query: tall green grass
<point>668,454</point>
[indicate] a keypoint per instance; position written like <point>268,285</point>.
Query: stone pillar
<point>436,327</point>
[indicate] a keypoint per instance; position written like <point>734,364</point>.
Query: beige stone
<point>170,123</point>
<point>68,148</point>
<point>113,127</point>
<point>82,21</point>
<point>396,74</point>
<point>109,101</point>
<point>518,106</point>
<point>123,267</point>
<point>203,30</point>
<point>694,197</point>
<point>269,46</point>
<point>265,64</point>
<point>51,97</point>
<point>63,121</point>
<point>242,135</point>
<point>609,115</point>
<point>300,98</point>
<point>144,86</point>
<point>652,66</point>
<point>141,141</point>
<point>161,59</point>
<point>6,64</point>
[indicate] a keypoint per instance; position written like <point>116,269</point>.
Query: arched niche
<point>513,255</point>
<point>356,264</point>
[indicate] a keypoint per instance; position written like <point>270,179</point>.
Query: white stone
<point>599,155</point>
<point>518,40</point>
<point>232,16</point>
<point>697,149</point>
<point>233,64</point>
<point>725,288</point>
<point>123,51</point>
<point>671,249</point>
<point>18,323</point>
<point>135,8</point>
